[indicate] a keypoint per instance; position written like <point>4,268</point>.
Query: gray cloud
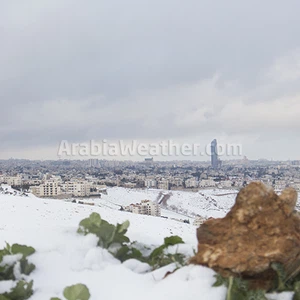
<point>149,70</point>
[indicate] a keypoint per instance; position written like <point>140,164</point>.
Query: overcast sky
<point>153,70</point>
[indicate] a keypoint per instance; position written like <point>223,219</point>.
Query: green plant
<point>22,290</point>
<point>75,292</point>
<point>237,288</point>
<point>280,283</point>
<point>114,239</point>
<point>127,252</point>
<point>296,291</point>
<point>158,258</point>
<point>107,233</point>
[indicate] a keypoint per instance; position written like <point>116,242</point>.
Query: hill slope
<point>65,258</point>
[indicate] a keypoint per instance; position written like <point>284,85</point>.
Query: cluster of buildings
<point>84,178</point>
<point>159,183</point>
<point>55,186</point>
<point>145,207</point>
<point>79,178</point>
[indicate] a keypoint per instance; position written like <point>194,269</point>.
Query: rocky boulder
<point>261,228</point>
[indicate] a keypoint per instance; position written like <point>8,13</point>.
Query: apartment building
<point>130,185</point>
<point>49,188</point>
<point>191,183</point>
<point>146,207</point>
<point>54,188</point>
<point>163,184</point>
<point>177,181</point>
<point>12,180</point>
<point>77,188</point>
<point>226,183</point>
<point>150,183</point>
<point>207,183</point>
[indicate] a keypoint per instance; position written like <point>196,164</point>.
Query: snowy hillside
<point>209,203</point>
<point>63,257</point>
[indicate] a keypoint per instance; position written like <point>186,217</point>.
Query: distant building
<point>149,159</point>
<point>199,220</point>
<point>214,154</point>
<point>225,183</point>
<point>192,183</point>
<point>163,184</point>
<point>150,183</point>
<point>94,163</point>
<point>54,188</point>
<point>207,183</point>
<point>146,207</point>
<point>177,181</point>
<point>77,188</point>
<point>130,185</point>
<point>48,189</point>
<point>12,180</point>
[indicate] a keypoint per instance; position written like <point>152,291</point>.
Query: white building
<point>176,181</point>
<point>150,183</point>
<point>77,188</point>
<point>226,183</point>
<point>163,184</point>
<point>35,190</point>
<point>199,220</point>
<point>130,185</point>
<point>150,208</point>
<point>12,180</point>
<point>191,183</point>
<point>146,207</point>
<point>49,188</point>
<point>53,188</point>
<point>207,183</point>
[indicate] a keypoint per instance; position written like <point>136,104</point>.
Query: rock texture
<point>260,229</point>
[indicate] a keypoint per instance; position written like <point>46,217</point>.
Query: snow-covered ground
<point>64,257</point>
<point>207,202</point>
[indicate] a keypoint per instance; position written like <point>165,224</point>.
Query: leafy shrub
<point>107,233</point>
<point>22,290</point>
<point>237,288</point>
<point>114,239</point>
<point>158,258</point>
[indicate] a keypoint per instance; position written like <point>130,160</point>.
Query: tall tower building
<point>214,154</point>
<point>93,163</point>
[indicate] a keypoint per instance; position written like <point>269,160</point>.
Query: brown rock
<point>260,229</point>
